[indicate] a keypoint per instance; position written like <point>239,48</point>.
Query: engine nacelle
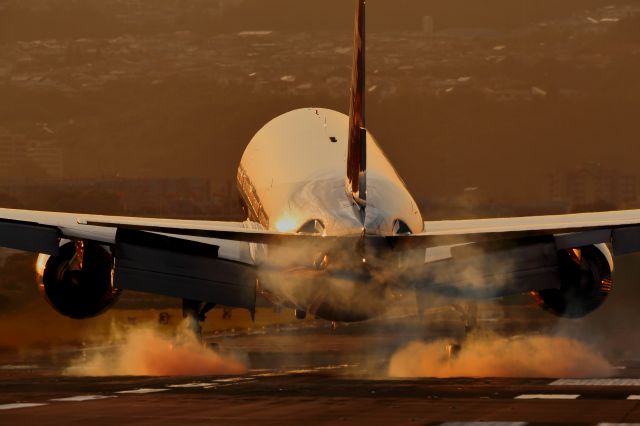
<point>78,282</point>
<point>585,275</point>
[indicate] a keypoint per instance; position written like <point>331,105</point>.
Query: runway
<point>310,374</point>
<point>322,395</point>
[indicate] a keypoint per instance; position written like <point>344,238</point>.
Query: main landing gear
<point>196,311</point>
<point>469,314</point>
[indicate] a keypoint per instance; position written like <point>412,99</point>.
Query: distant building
<point>593,186</point>
<point>20,156</point>
<point>428,25</point>
<point>48,156</point>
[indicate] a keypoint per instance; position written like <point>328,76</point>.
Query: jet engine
<point>585,275</point>
<point>78,282</point>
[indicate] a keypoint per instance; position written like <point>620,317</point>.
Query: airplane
<point>331,230</point>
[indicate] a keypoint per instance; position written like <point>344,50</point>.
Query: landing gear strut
<point>469,314</point>
<point>196,311</point>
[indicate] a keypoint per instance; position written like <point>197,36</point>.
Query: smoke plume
<point>493,356</point>
<point>145,351</point>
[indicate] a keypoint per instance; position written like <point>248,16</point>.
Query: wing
<point>189,264</point>
<point>621,228</point>
<point>485,258</point>
<point>190,259</point>
<point>40,231</point>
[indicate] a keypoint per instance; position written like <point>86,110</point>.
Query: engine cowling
<point>585,275</point>
<point>78,282</point>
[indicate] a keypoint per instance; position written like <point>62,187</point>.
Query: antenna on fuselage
<point>357,145</point>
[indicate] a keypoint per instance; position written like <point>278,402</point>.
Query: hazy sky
<point>127,93</point>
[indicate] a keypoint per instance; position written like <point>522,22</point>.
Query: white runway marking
<point>144,390</point>
<point>18,367</point>
<point>618,424</point>
<point>274,374</point>
<point>634,397</point>
<point>484,424</point>
<point>82,398</point>
<point>271,373</point>
<point>213,384</point>
<point>596,382</point>
<point>235,380</point>
<point>194,385</point>
<point>332,367</point>
<point>20,405</point>
<point>547,396</point>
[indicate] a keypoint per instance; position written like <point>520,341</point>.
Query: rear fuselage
<point>292,178</point>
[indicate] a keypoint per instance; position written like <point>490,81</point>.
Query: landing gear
<point>469,315</point>
<point>421,305</point>
<point>196,312</point>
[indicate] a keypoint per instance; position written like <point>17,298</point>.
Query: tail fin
<point>357,148</point>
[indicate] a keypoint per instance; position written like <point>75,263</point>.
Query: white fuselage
<point>292,173</point>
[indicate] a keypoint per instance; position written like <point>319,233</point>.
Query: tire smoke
<point>493,356</point>
<point>145,351</point>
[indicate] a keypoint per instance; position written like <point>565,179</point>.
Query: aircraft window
<point>333,139</point>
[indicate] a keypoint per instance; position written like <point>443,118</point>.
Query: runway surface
<point>309,375</point>
<point>323,395</point>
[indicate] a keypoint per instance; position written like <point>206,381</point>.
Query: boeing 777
<point>331,230</point>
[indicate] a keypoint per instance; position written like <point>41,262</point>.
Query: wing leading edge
<point>621,228</point>
<point>36,230</point>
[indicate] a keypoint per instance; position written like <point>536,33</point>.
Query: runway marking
<point>20,405</point>
<point>194,385</point>
<point>484,424</point>
<point>18,367</point>
<point>332,367</point>
<point>82,398</point>
<point>634,397</point>
<point>234,380</point>
<point>143,390</point>
<point>273,374</point>
<point>618,424</point>
<point>214,383</point>
<point>596,382</point>
<point>547,396</point>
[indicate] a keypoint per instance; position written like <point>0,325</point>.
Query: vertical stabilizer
<point>357,148</point>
